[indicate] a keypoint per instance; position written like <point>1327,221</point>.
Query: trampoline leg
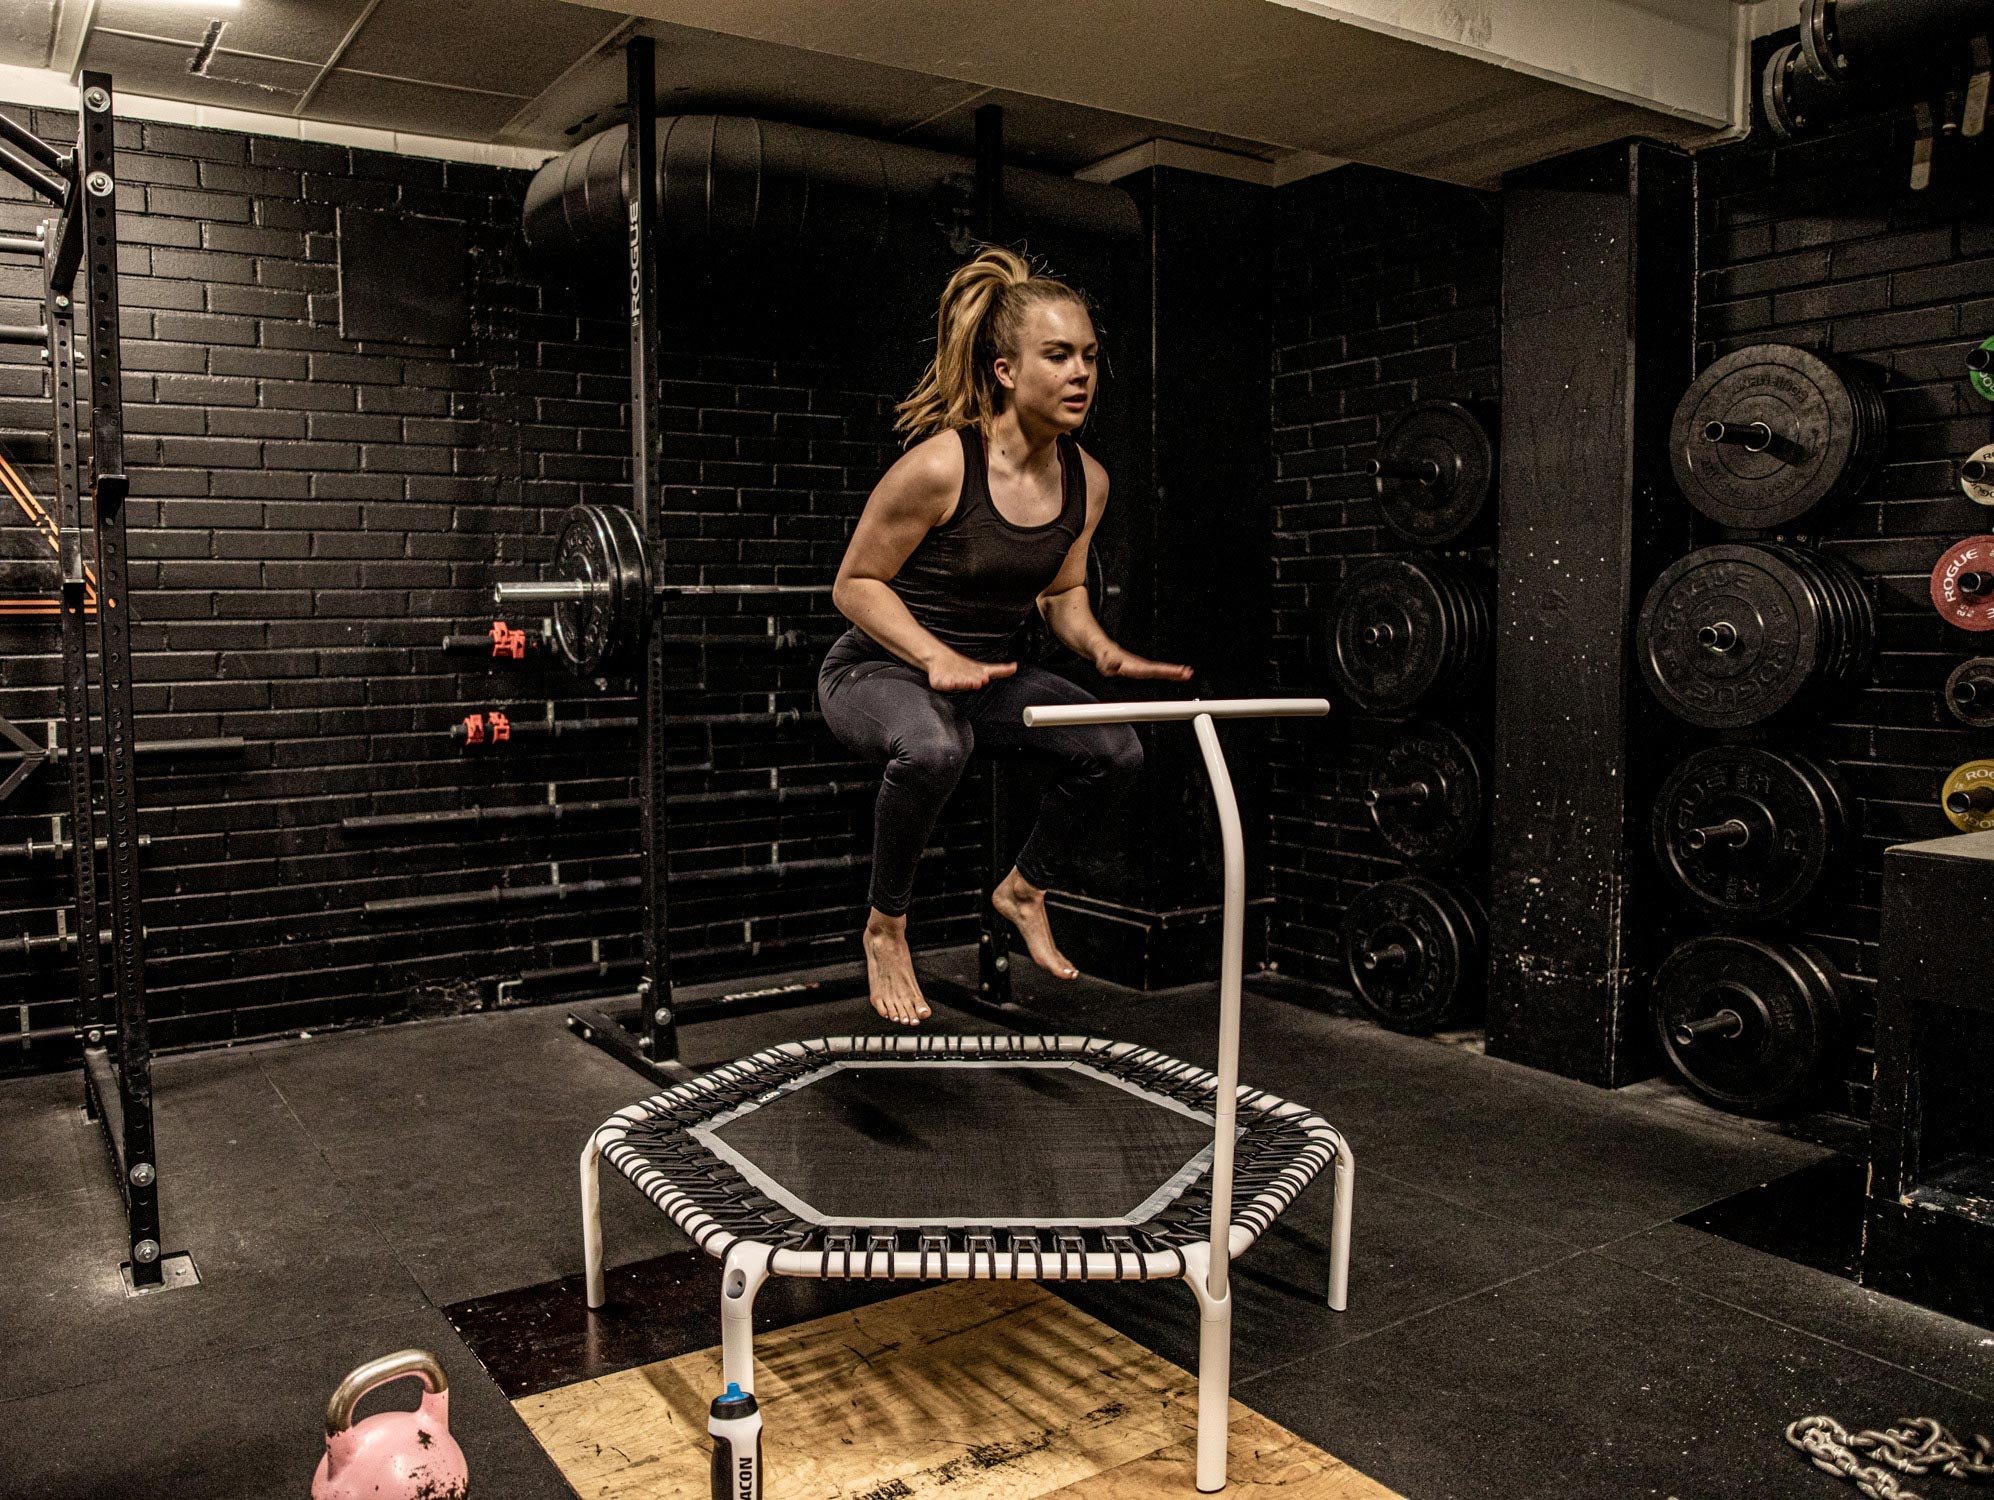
<point>1339,1232</point>
<point>1214,1369</point>
<point>592,1222</point>
<point>741,1277</point>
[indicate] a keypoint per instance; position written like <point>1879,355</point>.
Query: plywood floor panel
<point>992,1390</point>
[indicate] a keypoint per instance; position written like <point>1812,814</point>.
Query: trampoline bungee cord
<point>1006,1157</point>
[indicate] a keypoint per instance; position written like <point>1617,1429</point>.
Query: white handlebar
<point>1232,942</point>
<point>1136,713</point>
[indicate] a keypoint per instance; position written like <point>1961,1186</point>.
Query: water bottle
<point>736,1424</point>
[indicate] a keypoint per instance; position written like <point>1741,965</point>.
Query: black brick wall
<point>1821,243</point>
<point>1385,292</point>
<point>312,516</point>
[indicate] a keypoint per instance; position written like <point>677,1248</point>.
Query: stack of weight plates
<point>1450,442</point>
<point>1401,630</point>
<point>1750,1023</point>
<point>1770,432</point>
<point>1425,795</point>
<point>1415,952</point>
<point>1734,634</point>
<point>1747,833</point>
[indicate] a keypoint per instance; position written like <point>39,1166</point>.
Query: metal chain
<point>1916,1445</point>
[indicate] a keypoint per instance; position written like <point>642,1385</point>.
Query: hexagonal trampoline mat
<point>948,1142</point>
<point>1053,1157</point>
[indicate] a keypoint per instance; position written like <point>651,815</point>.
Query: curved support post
<point>1232,958</point>
<point>1339,1228</point>
<point>741,1276</point>
<point>592,1221</point>
<point>1214,1366</point>
<point>1207,1267</point>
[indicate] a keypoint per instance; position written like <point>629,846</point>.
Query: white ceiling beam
<point>1291,75</point>
<point>1292,166</point>
<point>1669,55</point>
<point>73,19</point>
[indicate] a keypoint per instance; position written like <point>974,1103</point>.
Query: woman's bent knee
<point>930,761</point>
<point>1121,752</point>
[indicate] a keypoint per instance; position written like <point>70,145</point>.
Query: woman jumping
<point>985,518</point>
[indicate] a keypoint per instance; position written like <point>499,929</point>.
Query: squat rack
<point>78,251</point>
<point>645,1037</point>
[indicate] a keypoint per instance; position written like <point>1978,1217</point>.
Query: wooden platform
<point>991,1390</point>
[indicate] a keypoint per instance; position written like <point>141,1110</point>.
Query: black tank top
<point>974,580</point>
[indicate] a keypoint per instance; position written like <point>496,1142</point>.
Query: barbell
<point>601,601</point>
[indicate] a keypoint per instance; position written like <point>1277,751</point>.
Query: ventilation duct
<point>1862,57</point>
<point>732,188</point>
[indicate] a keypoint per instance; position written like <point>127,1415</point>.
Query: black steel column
<point>92,208</point>
<point>993,932</point>
<point>647,460</point>
<point>59,312</point>
<point>1597,281</point>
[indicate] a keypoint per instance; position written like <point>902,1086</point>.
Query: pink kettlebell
<point>393,1455</point>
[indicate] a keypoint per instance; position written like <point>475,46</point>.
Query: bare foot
<point>889,969</point>
<point>1023,905</point>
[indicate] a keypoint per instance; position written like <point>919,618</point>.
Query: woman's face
<point>1051,379</point>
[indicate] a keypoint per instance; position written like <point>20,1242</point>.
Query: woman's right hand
<point>952,672</point>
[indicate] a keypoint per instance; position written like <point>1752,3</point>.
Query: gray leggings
<point>882,709</point>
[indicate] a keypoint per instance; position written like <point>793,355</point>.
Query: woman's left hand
<point>1112,661</point>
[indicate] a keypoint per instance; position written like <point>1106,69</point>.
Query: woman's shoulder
<point>928,476</point>
<point>1095,471</point>
<point>936,459</point>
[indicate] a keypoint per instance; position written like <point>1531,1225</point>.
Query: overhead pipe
<point>731,187</point>
<point>1857,57</point>
<point>1850,40</point>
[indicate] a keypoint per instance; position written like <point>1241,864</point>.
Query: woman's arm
<point>917,494</point>
<point>1070,615</point>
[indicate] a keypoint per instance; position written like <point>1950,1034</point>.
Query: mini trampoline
<point>948,1158</point>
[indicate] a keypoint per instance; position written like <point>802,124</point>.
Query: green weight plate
<point>1982,379</point>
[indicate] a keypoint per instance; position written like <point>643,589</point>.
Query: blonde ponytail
<point>981,316</point>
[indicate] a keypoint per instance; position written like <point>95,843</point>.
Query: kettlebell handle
<point>375,1374</point>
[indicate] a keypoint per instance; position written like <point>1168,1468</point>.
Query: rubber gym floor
<point>1526,1315</point>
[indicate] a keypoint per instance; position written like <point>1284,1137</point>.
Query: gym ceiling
<point>1278,89</point>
